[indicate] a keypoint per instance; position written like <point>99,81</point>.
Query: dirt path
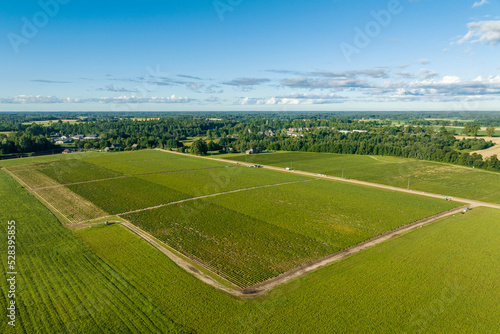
<point>265,287</point>
<point>181,262</point>
<point>369,184</point>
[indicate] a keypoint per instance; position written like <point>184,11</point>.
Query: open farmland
<point>257,234</point>
<point>69,171</point>
<point>62,285</point>
<point>256,223</point>
<point>151,161</point>
<point>438,279</point>
<point>425,176</point>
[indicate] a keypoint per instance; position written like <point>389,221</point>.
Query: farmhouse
<point>78,137</point>
<point>251,151</point>
<point>90,137</point>
<point>107,149</point>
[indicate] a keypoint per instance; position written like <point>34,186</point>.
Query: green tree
<point>490,130</point>
<point>199,147</point>
<point>474,129</point>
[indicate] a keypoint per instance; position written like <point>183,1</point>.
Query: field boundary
<point>213,278</point>
<point>364,183</point>
<point>183,261</point>
<point>263,288</point>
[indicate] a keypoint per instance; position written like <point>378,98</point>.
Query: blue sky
<point>185,55</point>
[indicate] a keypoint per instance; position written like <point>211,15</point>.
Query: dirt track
<point>265,287</point>
<point>370,184</point>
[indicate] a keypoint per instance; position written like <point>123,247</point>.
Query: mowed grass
<point>254,235</point>
<point>62,286</point>
<point>445,179</point>
<point>442,278</point>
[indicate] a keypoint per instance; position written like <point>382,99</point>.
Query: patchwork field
<point>255,223</point>
<point>441,278</point>
<point>251,236</point>
<point>425,176</point>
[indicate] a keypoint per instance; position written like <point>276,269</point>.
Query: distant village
<point>59,140</point>
<point>299,132</point>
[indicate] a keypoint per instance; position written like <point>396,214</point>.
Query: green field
<point>432,177</point>
<point>254,235</point>
<point>75,170</point>
<point>274,223</point>
<point>441,278</point>
<point>133,193</point>
<point>62,285</point>
<point>49,158</point>
<point>127,194</point>
<point>151,161</point>
<point>438,279</point>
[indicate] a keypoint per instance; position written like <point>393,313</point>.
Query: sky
<point>242,55</point>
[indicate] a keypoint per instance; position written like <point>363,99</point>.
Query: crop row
<point>244,249</point>
<point>63,280</point>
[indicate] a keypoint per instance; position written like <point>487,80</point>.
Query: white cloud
<point>293,99</point>
<point>451,79</point>
<point>482,31</point>
<point>480,3</point>
<point>29,99</point>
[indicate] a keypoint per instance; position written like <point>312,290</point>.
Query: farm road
<point>266,286</point>
<point>473,203</point>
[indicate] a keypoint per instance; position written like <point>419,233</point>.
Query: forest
<point>405,135</point>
